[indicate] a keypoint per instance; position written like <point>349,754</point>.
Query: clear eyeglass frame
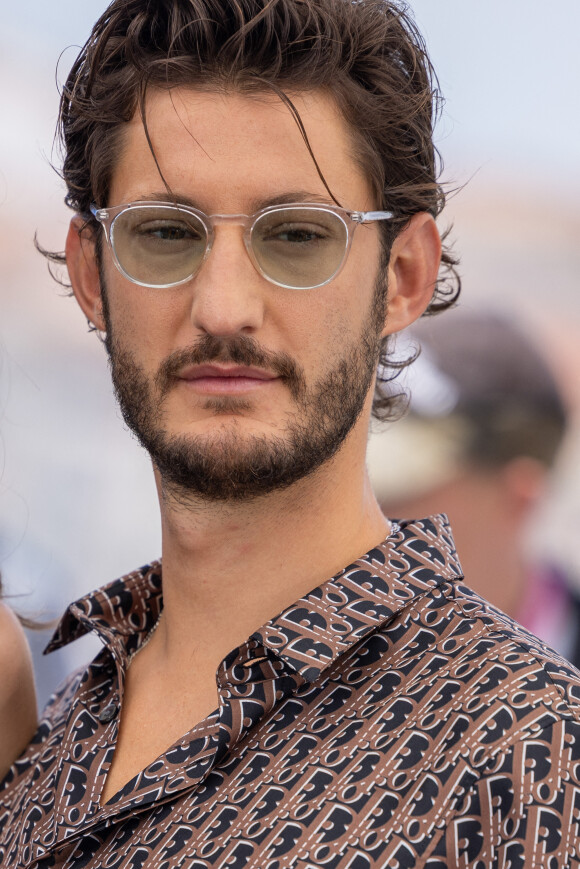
<point>349,219</point>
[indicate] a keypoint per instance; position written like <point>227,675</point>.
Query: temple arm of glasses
<point>366,216</point>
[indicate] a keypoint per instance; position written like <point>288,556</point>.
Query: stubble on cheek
<point>139,398</point>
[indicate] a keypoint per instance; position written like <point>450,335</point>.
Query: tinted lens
<point>158,245</point>
<point>299,247</point>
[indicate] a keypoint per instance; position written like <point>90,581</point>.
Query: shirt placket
<point>251,682</point>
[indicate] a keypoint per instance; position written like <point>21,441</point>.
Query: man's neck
<point>228,568</point>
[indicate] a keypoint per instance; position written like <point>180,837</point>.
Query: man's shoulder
<point>456,658</point>
<point>492,635</point>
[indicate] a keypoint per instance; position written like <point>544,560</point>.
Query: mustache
<point>240,350</point>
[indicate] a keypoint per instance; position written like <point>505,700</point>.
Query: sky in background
<point>77,503</point>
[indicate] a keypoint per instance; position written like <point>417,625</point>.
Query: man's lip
<point>201,372</point>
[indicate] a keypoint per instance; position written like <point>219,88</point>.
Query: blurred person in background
<point>34,584</point>
<point>17,695</point>
<point>485,426</point>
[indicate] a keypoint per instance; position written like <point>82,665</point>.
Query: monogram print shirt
<point>390,718</point>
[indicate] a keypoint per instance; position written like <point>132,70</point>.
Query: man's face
<point>236,386</point>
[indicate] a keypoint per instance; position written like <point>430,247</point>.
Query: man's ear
<point>412,272</point>
<point>81,262</point>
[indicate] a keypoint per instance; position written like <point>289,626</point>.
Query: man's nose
<point>229,294</point>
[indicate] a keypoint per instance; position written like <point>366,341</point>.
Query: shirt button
<point>108,713</point>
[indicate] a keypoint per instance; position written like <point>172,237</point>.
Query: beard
<point>228,465</point>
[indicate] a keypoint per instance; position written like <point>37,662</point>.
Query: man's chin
<point>225,433</point>
<point>223,465</point>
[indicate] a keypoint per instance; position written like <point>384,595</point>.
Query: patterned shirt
<point>390,718</point>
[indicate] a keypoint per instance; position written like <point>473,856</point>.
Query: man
<point>289,700</point>
<point>484,431</point>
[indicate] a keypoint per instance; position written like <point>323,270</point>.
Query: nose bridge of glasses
<point>233,219</point>
<point>243,220</point>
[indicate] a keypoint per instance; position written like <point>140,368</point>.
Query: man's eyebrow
<point>254,205</point>
<point>291,196</point>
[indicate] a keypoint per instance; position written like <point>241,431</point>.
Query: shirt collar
<point>311,634</point>
<point>122,613</point>
<point>415,558</point>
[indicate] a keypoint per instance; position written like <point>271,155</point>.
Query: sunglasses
<point>297,246</point>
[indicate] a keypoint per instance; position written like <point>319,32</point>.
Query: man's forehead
<point>191,136</point>
<point>197,114</point>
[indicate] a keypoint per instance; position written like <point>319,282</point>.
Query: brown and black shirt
<point>390,718</point>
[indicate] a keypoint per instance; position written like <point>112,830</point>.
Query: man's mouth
<point>216,379</point>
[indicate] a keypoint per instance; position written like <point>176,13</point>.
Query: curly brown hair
<point>368,54</point>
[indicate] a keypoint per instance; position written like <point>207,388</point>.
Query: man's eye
<point>296,234</point>
<point>164,231</point>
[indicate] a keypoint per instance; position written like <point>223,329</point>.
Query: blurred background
<point>77,501</point>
